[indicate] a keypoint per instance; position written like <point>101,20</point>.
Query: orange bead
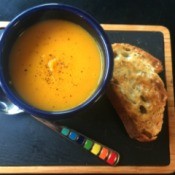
<point>104,153</point>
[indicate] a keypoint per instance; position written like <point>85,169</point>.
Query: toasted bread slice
<point>137,92</point>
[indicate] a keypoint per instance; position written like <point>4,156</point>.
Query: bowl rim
<point>108,58</point>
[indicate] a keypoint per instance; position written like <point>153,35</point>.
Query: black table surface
<point>139,12</point>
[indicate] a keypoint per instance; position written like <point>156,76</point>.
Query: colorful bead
<point>80,140</point>
<point>112,158</point>
<point>73,135</point>
<point>88,144</point>
<point>65,131</point>
<point>104,153</point>
<point>96,148</point>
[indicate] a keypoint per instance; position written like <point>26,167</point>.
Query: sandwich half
<point>137,92</point>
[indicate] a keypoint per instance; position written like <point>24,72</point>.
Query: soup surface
<point>55,65</point>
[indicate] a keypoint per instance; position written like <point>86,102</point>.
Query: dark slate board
<point>25,141</point>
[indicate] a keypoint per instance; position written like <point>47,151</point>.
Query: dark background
<point>146,12</point>
<point>141,12</point>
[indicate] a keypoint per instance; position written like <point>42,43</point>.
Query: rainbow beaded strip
<point>103,152</point>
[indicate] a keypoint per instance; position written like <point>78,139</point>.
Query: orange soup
<point>55,65</point>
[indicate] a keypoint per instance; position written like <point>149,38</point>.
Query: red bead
<point>112,158</point>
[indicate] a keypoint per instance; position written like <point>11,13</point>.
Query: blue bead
<point>80,140</point>
<point>73,135</point>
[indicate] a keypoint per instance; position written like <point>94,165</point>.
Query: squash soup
<point>55,65</point>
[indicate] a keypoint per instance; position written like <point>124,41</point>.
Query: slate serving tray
<point>26,142</point>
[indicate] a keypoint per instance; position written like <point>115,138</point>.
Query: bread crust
<point>137,92</point>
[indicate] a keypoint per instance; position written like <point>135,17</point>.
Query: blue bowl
<point>44,12</point>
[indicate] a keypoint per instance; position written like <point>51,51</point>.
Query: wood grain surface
<point>121,169</point>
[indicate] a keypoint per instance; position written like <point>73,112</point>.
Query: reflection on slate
<point>25,141</point>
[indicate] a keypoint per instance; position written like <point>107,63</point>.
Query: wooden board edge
<point>129,27</point>
<point>118,169</point>
<point>86,169</point>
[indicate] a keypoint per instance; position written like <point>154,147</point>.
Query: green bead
<point>88,144</point>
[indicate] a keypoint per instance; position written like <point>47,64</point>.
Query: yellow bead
<point>96,148</point>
